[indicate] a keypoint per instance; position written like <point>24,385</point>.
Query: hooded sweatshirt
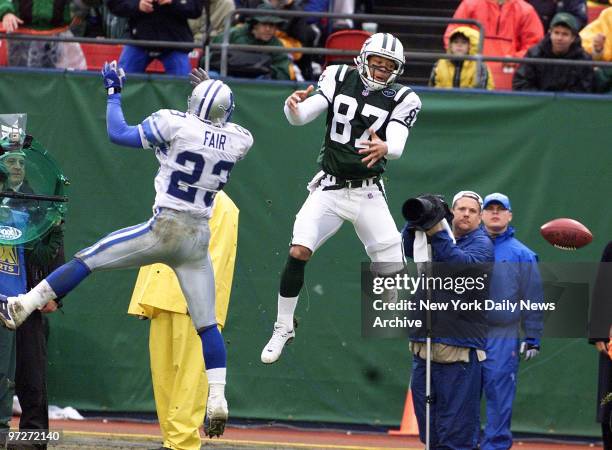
<point>511,28</point>
<point>461,74</point>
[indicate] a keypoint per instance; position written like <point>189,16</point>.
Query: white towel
<point>420,253</point>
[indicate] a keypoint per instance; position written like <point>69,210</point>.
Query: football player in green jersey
<point>369,117</point>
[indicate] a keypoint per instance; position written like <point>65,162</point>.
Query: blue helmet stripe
<point>231,110</point>
<point>212,100</point>
<point>199,110</point>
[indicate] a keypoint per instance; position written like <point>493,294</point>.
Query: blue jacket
<point>472,252</point>
<point>12,261</point>
<point>516,278</point>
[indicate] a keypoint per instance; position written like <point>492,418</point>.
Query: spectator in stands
<point>561,42</point>
<point>297,29</point>
<point>597,41</point>
<point>461,73</point>
<point>546,9</point>
<point>259,30</point>
<point>294,32</point>
<point>343,7</point>
<point>219,10</point>
<point>157,20</point>
<point>511,28</point>
<point>46,17</point>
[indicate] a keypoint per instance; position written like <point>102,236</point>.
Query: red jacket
<point>510,29</point>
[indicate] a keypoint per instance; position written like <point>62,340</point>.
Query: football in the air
<point>566,234</point>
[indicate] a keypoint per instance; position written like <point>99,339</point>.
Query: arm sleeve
<point>532,33</point>
<point>445,250</point>
<point>308,110</point>
<point>119,132</point>
<point>589,32</point>
<point>397,135</point>
<point>403,117</point>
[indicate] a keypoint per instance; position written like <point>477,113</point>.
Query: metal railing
<point>378,18</point>
<point>225,47</point>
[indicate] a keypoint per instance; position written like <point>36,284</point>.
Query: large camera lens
<point>424,211</point>
<point>415,209</point>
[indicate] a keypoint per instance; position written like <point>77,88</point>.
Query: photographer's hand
<point>375,149</point>
<point>435,229</point>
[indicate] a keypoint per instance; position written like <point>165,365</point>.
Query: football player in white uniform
<point>196,151</point>
<point>369,116</point>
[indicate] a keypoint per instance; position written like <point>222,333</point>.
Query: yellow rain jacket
<point>177,365</point>
<point>461,74</point>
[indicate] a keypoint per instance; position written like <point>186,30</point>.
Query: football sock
<point>214,349</point>
<point>38,297</point>
<point>65,278</point>
<point>286,309</point>
<point>292,278</point>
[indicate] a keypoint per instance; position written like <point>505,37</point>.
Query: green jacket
<point>280,63</point>
<point>39,14</point>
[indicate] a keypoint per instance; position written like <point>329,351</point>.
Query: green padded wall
<point>550,154</point>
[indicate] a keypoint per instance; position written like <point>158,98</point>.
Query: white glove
<point>529,351</point>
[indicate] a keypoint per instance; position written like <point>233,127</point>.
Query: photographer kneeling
<point>456,354</point>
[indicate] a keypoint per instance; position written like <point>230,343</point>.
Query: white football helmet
<point>211,101</point>
<point>387,46</point>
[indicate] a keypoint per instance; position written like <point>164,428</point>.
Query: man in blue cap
<point>515,277</point>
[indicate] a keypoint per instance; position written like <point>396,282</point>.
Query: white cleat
<point>216,416</point>
<point>12,313</point>
<point>282,335</point>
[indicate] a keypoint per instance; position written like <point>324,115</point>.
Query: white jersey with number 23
<point>195,158</point>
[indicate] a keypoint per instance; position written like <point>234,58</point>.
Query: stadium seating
<point>97,54</point>
<point>345,40</point>
<point>593,10</point>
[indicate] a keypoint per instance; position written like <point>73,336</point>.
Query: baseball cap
<point>496,197</point>
<point>565,19</point>
<point>468,194</point>
<point>265,17</point>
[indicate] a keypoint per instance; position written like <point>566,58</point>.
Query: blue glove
<point>113,76</point>
<point>530,348</point>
